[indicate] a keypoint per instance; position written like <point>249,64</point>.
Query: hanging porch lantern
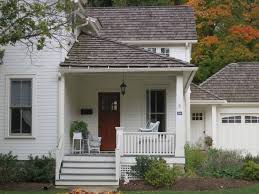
<point>123,87</point>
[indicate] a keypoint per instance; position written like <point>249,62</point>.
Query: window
<point>153,50</point>
<point>156,107</point>
<point>20,106</point>
<point>251,119</point>
<point>197,116</point>
<point>165,51</point>
<point>231,119</point>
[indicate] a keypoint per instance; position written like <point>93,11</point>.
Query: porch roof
<point>92,51</point>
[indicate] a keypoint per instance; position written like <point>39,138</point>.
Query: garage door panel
<point>241,136</point>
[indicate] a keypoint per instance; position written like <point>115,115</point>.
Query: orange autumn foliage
<point>247,33</point>
<point>210,40</point>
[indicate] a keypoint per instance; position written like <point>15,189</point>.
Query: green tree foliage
<point>32,22</point>
<point>227,32</point>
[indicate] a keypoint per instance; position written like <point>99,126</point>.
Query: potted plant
<point>208,141</point>
<point>78,126</point>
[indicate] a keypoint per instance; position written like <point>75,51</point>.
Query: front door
<point>197,127</point>
<point>109,118</point>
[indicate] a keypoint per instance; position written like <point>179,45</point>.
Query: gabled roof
<point>237,82</point>
<point>198,93</point>
<point>95,51</point>
<point>145,23</point>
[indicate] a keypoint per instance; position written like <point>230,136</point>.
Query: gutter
<point>207,102</point>
<point>123,69</point>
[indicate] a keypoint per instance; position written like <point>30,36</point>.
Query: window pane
<point>153,101</point>
<point>15,120</point>
<point>26,120</point>
<point>161,101</point>
<point>26,93</point>
<point>15,93</point>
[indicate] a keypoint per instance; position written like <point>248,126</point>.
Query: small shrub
<point>160,174</point>
<point>219,163</point>
<point>143,164</point>
<point>251,170</point>
<point>39,169</point>
<point>249,157</point>
<point>8,167</point>
<point>194,158</point>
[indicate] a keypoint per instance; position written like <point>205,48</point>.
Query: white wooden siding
<point>44,65</point>
<point>84,90</point>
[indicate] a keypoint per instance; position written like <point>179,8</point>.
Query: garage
<point>239,132</point>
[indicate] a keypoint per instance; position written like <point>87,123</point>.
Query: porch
<point>117,118</point>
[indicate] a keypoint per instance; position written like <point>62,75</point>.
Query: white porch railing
<point>146,143</point>
<point>59,155</point>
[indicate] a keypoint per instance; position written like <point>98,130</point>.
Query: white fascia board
<point>110,69</point>
<point>157,42</point>
<point>208,102</point>
<point>242,104</point>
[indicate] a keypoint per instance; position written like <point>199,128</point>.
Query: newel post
<point>119,138</point>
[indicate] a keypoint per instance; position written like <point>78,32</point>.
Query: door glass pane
<point>109,103</point>
<point>15,120</point>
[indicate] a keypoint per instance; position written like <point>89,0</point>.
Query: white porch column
<point>214,124</point>
<point>180,115</point>
<point>187,115</point>
<point>61,106</point>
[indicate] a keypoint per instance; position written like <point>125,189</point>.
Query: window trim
<point>8,134</point>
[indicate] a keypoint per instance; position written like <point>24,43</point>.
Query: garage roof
<point>197,93</point>
<point>237,82</point>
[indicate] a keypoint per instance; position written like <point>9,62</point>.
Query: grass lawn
<point>247,190</point>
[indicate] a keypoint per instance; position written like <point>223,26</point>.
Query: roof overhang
<point>122,69</point>
<point>207,102</point>
<point>158,42</point>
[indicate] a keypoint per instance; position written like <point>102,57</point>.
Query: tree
<point>227,32</point>
<point>32,22</point>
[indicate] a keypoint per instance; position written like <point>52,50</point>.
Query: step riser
<point>90,158</point>
<point>85,183</point>
<point>87,177</point>
<point>88,165</point>
<point>84,171</point>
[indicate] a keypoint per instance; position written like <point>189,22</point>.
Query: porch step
<point>87,170</point>
<point>86,183</point>
<point>85,164</point>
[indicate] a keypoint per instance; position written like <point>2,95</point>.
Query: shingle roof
<point>237,82</point>
<point>146,23</point>
<point>94,51</point>
<point>198,93</point>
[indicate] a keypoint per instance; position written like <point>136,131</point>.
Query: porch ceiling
<point>92,51</point>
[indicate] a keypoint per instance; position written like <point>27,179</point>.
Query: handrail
<point>59,155</point>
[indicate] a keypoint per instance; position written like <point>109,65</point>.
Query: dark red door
<point>109,118</point>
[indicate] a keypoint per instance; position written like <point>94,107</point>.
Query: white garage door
<point>239,132</point>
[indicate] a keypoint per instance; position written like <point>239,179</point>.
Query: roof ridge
<point>137,48</point>
<point>209,92</point>
<point>146,6</point>
<point>215,74</point>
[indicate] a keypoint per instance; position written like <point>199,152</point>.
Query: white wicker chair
<point>93,143</point>
<point>151,127</point>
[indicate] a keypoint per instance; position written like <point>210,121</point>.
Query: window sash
<point>20,107</point>
<point>150,113</point>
